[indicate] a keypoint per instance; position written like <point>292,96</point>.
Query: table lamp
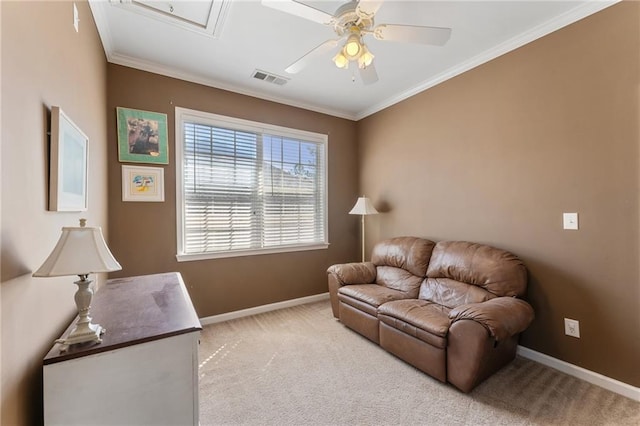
<point>80,251</point>
<point>363,207</point>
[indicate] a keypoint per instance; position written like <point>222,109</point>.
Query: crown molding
<point>103,28</point>
<point>128,61</point>
<point>568,18</point>
<point>181,75</point>
<point>574,15</point>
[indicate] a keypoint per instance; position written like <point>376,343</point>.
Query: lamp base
<point>84,330</point>
<point>87,333</point>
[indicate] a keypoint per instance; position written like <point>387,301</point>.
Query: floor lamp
<point>363,207</point>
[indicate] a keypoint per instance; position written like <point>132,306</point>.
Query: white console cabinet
<point>145,371</point>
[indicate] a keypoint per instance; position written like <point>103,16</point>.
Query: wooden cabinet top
<point>135,310</point>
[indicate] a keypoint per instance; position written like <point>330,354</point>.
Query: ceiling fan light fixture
<point>366,58</point>
<point>353,47</point>
<point>352,22</point>
<point>341,60</point>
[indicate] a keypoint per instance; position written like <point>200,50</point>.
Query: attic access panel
<point>204,17</point>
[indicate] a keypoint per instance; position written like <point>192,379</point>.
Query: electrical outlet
<point>572,327</point>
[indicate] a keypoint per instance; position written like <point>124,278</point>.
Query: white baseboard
<point>592,377</point>
<point>264,308</point>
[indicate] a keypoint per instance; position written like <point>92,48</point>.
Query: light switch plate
<point>570,221</point>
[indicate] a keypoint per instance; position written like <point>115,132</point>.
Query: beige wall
<point>497,154</point>
<point>44,63</point>
<point>143,235</point>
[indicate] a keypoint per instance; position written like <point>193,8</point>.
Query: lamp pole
<point>362,220</point>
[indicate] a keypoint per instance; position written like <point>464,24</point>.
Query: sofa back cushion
<point>462,272</point>
<point>398,279</point>
<point>452,293</point>
<point>401,263</point>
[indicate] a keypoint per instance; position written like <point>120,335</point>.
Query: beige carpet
<point>299,366</point>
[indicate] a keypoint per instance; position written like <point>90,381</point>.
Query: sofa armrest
<point>345,274</point>
<point>503,317</point>
<point>354,273</point>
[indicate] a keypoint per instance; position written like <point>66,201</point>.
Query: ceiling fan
<point>351,22</point>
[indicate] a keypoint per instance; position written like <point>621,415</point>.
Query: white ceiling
<point>221,43</point>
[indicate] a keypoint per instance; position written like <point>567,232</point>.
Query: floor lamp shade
<point>363,207</point>
<point>80,251</point>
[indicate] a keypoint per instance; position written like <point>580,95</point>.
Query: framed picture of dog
<point>142,136</point>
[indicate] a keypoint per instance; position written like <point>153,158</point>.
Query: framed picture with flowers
<point>142,183</point>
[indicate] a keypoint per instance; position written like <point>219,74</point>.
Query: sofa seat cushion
<point>421,319</point>
<point>369,296</point>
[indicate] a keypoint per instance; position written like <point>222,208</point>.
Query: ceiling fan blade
<point>369,75</point>
<point>298,9</point>
<point>368,8</point>
<point>412,34</point>
<point>325,47</point>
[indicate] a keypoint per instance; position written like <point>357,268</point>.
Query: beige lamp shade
<point>80,251</point>
<point>363,206</point>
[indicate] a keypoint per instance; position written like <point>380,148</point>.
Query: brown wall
<point>44,63</point>
<point>497,154</point>
<point>143,235</point>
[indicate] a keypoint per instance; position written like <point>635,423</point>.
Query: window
<point>248,188</point>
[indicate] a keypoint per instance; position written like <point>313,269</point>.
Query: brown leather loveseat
<point>451,309</point>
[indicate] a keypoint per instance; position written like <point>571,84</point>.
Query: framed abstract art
<point>68,178</point>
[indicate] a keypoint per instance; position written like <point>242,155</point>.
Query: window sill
<point>242,253</point>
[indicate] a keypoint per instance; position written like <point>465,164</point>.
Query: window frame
<point>211,119</point>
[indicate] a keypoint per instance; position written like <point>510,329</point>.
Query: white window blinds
<point>249,189</point>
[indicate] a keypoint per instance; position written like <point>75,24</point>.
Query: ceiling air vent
<point>269,77</point>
